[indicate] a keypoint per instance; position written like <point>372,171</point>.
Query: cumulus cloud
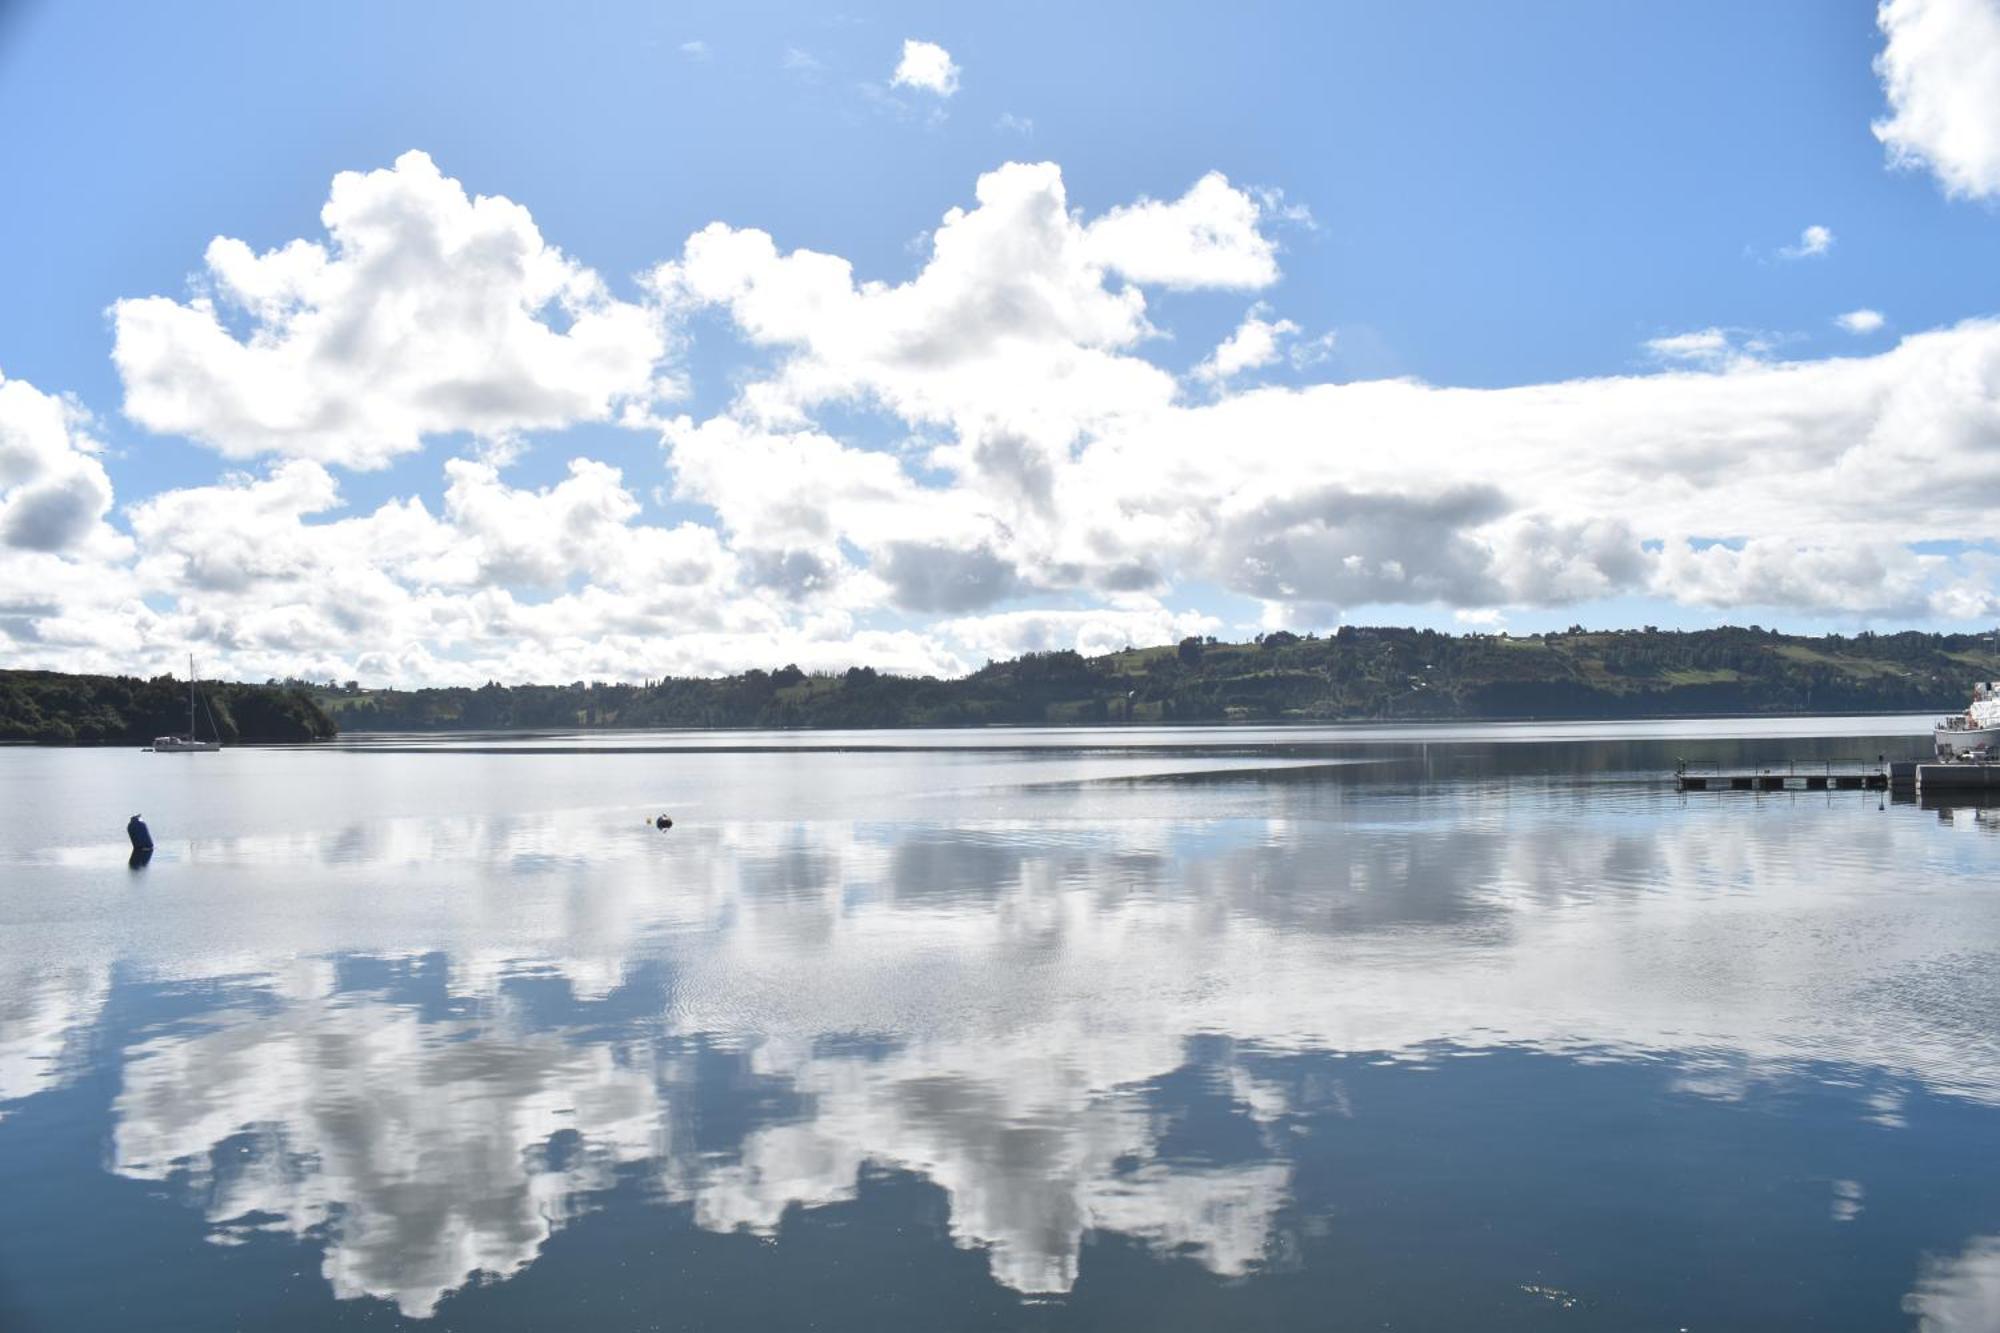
<point>1813,242</point>
<point>1860,321</point>
<point>1255,343</point>
<point>1209,237</point>
<point>269,572</point>
<point>1710,348</point>
<point>941,578</point>
<point>1015,341</point>
<point>54,492</point>
<point>427,311</point>
<point>1010,633</point>
<point>1940,70</point>
<point>926,66</point>
<point>977,458</point>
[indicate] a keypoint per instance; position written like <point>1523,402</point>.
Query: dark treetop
<point>1357,673</point>
<point>57,709</point>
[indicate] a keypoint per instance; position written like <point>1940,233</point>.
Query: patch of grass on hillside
<point>1692,676</point>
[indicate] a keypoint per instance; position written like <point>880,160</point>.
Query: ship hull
<point>1952,741</point>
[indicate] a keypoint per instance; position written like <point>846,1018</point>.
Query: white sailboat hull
<point>188,744</point>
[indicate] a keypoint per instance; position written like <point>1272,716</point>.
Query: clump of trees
<point>54,708</point>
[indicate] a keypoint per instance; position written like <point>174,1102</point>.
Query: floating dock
<point>1840,775</point>
<point>1933,778</point>
<point>1803,775</point>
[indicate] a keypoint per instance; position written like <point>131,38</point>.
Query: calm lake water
<point>1415,1028</point>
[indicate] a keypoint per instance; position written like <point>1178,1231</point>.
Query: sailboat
<point>188,744</point>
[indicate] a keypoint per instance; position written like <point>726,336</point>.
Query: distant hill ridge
<point>1356,674</point>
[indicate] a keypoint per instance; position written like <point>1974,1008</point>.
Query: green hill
<point>1356,674</point>
<point>53,708</point>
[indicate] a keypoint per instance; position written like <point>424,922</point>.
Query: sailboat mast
<point>190,696</point>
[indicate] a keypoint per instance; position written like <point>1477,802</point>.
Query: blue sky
<point>1499,197</point>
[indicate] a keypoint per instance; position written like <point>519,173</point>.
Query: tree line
<point>54,708</point>
<point>1358,673</point>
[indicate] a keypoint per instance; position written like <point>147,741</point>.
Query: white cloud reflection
<point>1959,1293</point>
<point>990,1004</point>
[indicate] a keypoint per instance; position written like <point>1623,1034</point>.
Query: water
<point>1425,1028</point>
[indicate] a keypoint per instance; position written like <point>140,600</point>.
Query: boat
<point>190,743</point>
<point>1975,733</point>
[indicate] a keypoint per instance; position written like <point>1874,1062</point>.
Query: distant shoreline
<point>1236,724</point>
<point>1356,677</point>
<point>993,727</point>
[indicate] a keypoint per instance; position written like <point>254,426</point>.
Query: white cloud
<point>926,66</point>
<point>1209,237</point>
<point>1940,70</point>
<point>1013,124</point>
<point>696,49</point>
<point>1009,337</point>
<point>54,492</point>
<point>1701,345</point>
<point>1255,343</point>
<point>428,312</point>
<point>908,465</point>
<point>1814,242</point>
<point>1710,348</point>
<point>1271,199</point>
<point>1860,321</point>
<point>1011,633</point>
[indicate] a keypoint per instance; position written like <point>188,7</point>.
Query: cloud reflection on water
<point>1959,1293</point>
<point>994,1006</point>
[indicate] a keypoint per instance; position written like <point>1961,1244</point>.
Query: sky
<point>445,343</point>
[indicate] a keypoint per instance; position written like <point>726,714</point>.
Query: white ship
<point>188,744</point>
<point>1975,733</point>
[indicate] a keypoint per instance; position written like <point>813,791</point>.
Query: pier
<point>1934,778</point>
<point>1877,774</point>
<point>1800,775</point>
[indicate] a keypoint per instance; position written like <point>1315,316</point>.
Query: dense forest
<point>55,709</point>
<point>1355,674</point>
